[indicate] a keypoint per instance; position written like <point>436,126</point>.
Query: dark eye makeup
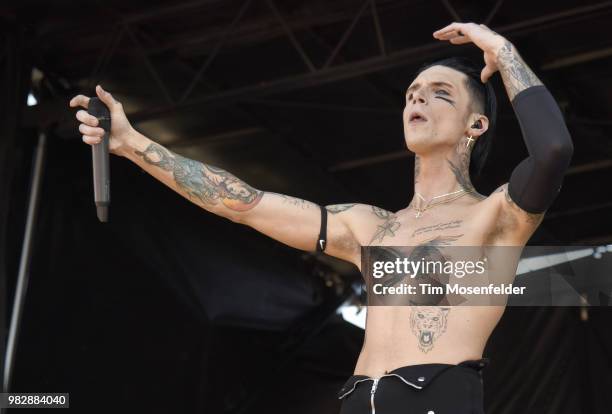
<point>438,92</point>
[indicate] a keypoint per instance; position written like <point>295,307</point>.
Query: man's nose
<point>416,97</point>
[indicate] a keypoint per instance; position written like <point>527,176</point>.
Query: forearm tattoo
<point>209,185</point>
<point>515,73</point>
<point>339,208</point>
<point>298,202</point>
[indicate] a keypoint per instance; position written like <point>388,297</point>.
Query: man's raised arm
<point>536,181</point>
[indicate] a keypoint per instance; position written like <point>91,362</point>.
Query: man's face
<point>440,96</point>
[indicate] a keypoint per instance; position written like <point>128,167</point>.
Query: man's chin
<point>415,143</point>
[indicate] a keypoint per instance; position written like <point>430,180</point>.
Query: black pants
<point>417,389</point>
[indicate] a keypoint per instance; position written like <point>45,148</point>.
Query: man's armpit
<point>362,219</point>
<point>523,217</point>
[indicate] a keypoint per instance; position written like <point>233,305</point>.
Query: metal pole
<point>26,255</point>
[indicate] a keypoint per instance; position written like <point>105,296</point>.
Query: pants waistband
<point>418,376</point>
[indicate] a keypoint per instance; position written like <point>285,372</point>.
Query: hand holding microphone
<point>106,128</point>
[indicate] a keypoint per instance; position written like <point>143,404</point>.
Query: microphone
<point>99,153</point>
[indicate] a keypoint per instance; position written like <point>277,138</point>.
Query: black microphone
<point>99,153</point>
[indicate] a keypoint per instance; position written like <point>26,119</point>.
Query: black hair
<point>483,95</point>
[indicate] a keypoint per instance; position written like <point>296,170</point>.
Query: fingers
<point>107,98</point>
<point>92,134</point>
<point>91,140</point>
<point>454,34</point>
<point>456,37</point>
<point>460,40</point>
<point>79,100</point>
<point>449,35</point>
<point>92,131</point>
<point>452,28</point>
<point>445,29</point>
<point>486,73</point>
<point>86,118</point>
<point>455,29</point>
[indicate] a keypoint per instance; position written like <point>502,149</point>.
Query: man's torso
<point>404,335</point>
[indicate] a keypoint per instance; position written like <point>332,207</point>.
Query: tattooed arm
<point>210,187</point>
<point>536,181</point>
<point>292,221</point>
<point>516,76</point>
<point>515,73</point>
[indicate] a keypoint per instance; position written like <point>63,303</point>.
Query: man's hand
<point>486,39</point>
<point>92,134</point>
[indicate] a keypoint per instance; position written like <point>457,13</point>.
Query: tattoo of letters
<point>455,224</point>
<point>303,204</point>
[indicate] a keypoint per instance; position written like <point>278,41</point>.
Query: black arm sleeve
<point>536,181</point>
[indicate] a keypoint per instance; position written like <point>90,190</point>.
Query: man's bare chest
<point>467,226</point>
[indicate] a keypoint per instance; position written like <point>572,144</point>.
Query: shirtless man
<point>449,108</point>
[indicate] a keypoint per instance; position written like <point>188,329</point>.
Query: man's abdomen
<point>408,335</point>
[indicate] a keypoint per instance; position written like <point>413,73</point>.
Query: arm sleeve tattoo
<point>212,186</point>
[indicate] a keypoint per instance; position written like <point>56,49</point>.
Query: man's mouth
<point>416,117</point>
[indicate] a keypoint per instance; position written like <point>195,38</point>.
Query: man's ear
<point>478,125</point>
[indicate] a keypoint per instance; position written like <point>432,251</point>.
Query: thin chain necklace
<point>429,205</point>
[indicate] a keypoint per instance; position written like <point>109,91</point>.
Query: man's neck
<point>438,174</point>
